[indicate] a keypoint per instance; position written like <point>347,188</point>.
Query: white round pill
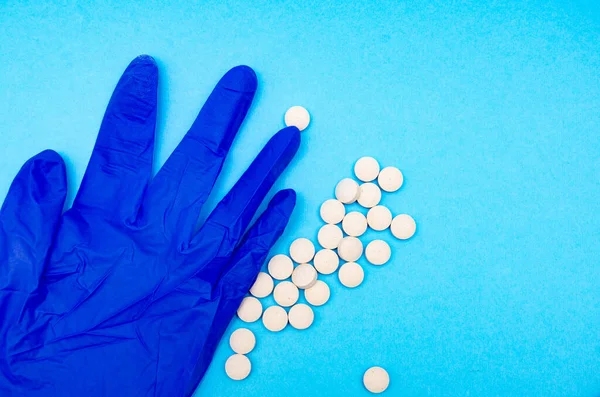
<point>304,276</point>
<point>297,116</point>
<point>350,249</point>
<point>242,341</point>
<point>379,218</point>
<point>280,267</point>
<point>347,191</point>
<point>263,286</point>
<point>302,250</point>
<point>275,318</point>
<point>351,274</point>
<point>329,236</point>
<point>403,227</point>
<point>376,380</point>
<point>354,224</point>
<point>250,309</point>
<point>332,211</point>
<point>378,252</point>
<point>318,294</point>
<point>286,293</point>
<point>238,367</point>
<point>390,179</point>
<point>301,316</point>
<point>366,169</point>
<point>326,261</point>
<point>370,195</point>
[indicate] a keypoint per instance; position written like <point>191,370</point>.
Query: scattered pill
<point>326,261</point>
<point>378,252</point>
<point>275,318</point>
<point>366,169</point>
<point>329,236</point>
<point>354,224</point>
<point>301,316</point>
<point>297,116</point>
<point>379,218</point>
<point>238,367</point>
<point>318,294</point>
<point>347,191</point>
<point>350,249</point>
<point>351,274</point>
<point>390,179</point>
<point>302,250</point>
<point>263,286</point>
<point>376,380</point>
<point>286,293</point>
<point>242,341</point>
<point>280,267</point>
<point>370,195</point>
<point>332,211</point>
<point>250,309</point>
<point>403,227</point>
<point>304,276</point>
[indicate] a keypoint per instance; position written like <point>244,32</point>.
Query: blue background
<point>491,110</point>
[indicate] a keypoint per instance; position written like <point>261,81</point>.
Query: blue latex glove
<point>119,296</point>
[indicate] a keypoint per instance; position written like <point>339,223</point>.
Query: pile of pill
<point>339,239</point>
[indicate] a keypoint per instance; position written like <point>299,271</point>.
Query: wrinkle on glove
<point>118,296</point>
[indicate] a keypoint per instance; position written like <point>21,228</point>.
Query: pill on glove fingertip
<point>329,236</point>
<point>350,249</point>
<point>238,367</point>
<point>250,309</point>
<point>347,191</point>
<point>318,294</point>
<point>390,179</point>
<point>304,276</point>
<point>369,195</point>
<point>297,116</point>
<point>301,316</point>
<point>351,274</point>
<point>275,318</point>
<point>332,211</point>
<point>263,286</point>
<point>403,226</point>
<point>242,341</point>
<point>376,380</point>
<point>378,252</point>
<point>354,224</point>
<point>286,293</point>
<point>366,169</point>
<point>280,267</point>
<point>302,250</point>
<point>326,261</point>
<point>379,218</point>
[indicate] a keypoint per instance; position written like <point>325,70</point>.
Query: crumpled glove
<point>120,295</point>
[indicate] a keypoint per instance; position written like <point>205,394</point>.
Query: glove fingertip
<point>46,176</point>
<point>144,59</point>
<point>241,78</point>
<point>143,65</point>
<point>285,201</point>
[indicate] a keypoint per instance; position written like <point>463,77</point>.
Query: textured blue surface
<point>491,110</point>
